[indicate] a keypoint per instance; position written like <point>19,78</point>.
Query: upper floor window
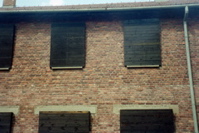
<point>6,46</point>
<point>142,43</point>
<point>67,45</point>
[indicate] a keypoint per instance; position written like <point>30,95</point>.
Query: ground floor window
<point>6,122</point>
<point>147,121</point>
<point>64,122</point>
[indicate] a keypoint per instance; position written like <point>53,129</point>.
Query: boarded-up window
<point>142,43</point>
<point>147,121</point>
<point>6,122</point>
<point>67,45</point>
<point>64,122</point>
<point>6,46</point>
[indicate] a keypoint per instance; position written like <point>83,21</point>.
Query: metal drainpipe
<point>193,103</point>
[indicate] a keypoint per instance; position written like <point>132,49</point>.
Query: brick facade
<point>104,81</point>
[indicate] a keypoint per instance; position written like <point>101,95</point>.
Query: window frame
<point>149,120</point>
<point>66,120</point>
<point>139,51</point>
<point>7,32</point>
<point>68,39</point>
<point>6,121</point>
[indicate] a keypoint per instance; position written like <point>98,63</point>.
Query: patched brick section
<point>103,82</point>
<point>193,27</point>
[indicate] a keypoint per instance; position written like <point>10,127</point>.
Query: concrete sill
<point>4,69</point>
<point>72,67</point>
<point>142,66</point>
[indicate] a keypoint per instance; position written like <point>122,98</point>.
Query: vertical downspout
<point>193,103</point>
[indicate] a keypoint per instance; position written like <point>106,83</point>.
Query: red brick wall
<point>103,82</point>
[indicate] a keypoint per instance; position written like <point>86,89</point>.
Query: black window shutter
<point>142,43</point>
<point>147,121</point>
<point>6,46</point>
<point>67,45</point>
<point>64,122</point>
<point>6,122</point>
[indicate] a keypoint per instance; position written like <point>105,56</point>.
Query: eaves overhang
<point>106,13</point>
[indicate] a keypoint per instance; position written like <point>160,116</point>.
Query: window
<point>147,121</point>
<point>6,122</point>
<point>67,45</point>
<point>6,46</point>
<point>64,122</point>
<point>142,43</point>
